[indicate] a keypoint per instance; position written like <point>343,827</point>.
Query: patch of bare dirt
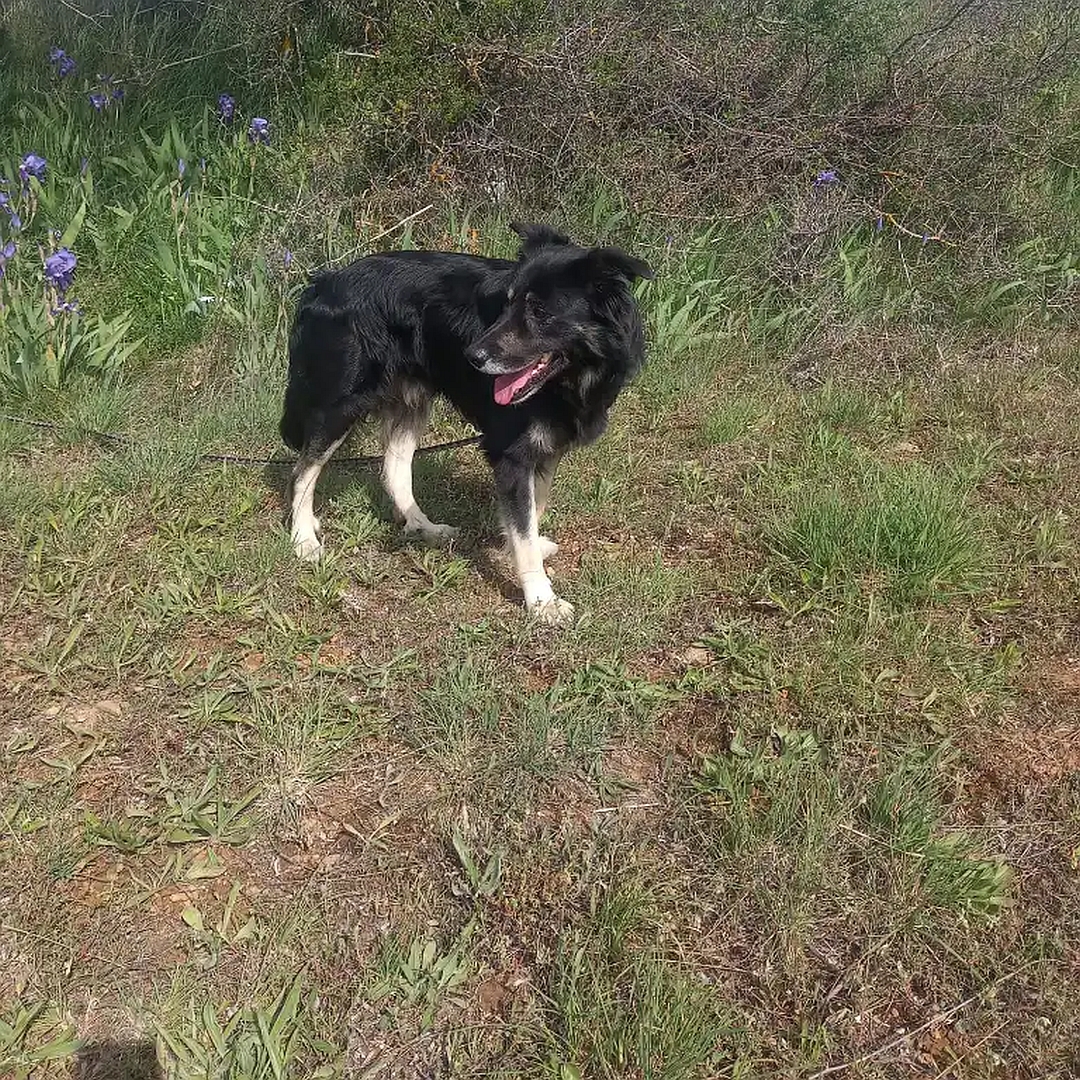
<point>565,810</point>
<point>1038,744</point>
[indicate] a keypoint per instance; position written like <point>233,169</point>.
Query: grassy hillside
<point>796,797</point>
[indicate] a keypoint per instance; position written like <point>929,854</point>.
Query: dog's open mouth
<point>515,387</point>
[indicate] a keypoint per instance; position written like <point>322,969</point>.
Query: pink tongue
<point>506,386</point>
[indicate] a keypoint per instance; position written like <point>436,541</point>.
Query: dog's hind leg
<point>323,436</point>
<point>515,485</point>
<point>401,435</point>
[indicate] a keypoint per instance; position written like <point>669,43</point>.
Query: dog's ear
<point>535,237</point>
<point>615,260</point>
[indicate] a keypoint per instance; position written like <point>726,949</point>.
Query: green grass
<point>757,791</point>
<point>619,1008</point>
<point>901,524</point>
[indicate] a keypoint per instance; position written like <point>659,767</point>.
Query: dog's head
<point>569,311</point>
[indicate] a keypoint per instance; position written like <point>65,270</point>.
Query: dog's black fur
<point>387,334</point>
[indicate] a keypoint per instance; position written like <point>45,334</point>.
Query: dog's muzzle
<point>482,359</point>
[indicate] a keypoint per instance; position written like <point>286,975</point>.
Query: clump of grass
<point>731,419</point>
<point>775,790</point>
<point>905,807</point>
<point>899,527</point>
<point>618,1009</point>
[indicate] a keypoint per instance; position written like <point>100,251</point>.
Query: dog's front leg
<point>515,484</point>
<point>545,474</point>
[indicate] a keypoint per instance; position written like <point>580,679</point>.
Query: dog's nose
<point>477,355</point>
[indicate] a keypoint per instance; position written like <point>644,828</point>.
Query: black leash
<point>240,459</point>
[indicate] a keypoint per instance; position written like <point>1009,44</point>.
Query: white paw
<point>553,612</point>
<point>307,548</point>
<point>548,548</point>
<point>431,532</point>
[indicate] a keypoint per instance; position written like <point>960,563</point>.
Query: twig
<point>204,56</point>
<point>241,459</point>
<point>385,232</point>
<point>83,14</point>
<point>937,1018</point>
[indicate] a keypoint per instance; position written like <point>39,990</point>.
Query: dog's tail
<point>297,396</point>
<point>292,418</point>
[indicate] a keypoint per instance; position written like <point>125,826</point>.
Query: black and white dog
<point>533,353</point>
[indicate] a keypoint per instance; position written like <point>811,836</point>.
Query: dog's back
<point>356,328</point>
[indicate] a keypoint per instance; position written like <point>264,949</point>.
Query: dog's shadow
<point>449,490</point>
<point>109,1059</point>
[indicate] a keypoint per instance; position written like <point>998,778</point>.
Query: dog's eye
<point>534,309</point>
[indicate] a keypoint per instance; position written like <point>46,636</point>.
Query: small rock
<point>493,995</point>
<point>696,656</point>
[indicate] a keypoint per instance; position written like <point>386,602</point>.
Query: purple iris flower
<point>259,132</point>
<point>32,165</point>
<point>60,60</point>
<point>6,252</point>
<point>826,178</point>
<point>60,270</point>
<point>181,167</point>
<point>226,108</point>
<point>108,91</point>
<point>287,258</point>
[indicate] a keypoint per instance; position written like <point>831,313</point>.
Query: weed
<point>619,1009</point>
<point>774,791</point>
<point>419,974</point>
<point>30,1038</point>
<point>261,1042</point>
<point>206,814</point>
<point>224,932</point>
<point>441,574</point>
<point>482,880</point>
<point>905,807</point>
